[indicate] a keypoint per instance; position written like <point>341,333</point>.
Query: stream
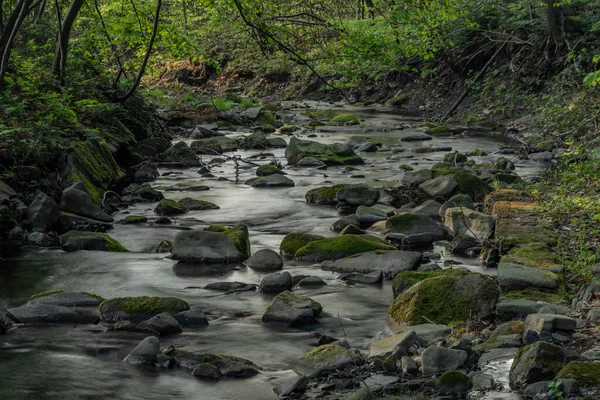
<point>83,361</point>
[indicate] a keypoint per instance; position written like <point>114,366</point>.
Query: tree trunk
<point>555,19</point>
<point>10,24</point>
<point>370,8</point>
<point>22,14</point>
<point>60,54</point>
<point>40,11</point>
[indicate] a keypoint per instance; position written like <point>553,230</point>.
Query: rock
<point>406,279</point>
<point>214,145</point>
<point>127,326</point>
<point>415,138</point>
<point>370,278</point>
<point>6,192</point>
<point>169,207</point>
<point>482,381</point>
<point>441,186</point>
<point>427,333</point>
<point>65,299</point>
<point>40,313</point>
<point>326,195</point>
<point>390,263</point>
<point>592,354</point>
<point>429,207</point>
<point>325,358</point>
<point>508,310</point>
<point>145,352</point>
<point>265,260</point>
<point>385,347</point>
<point>312,281</point>
<point>459,200</point>
<point>205,364</point>
<point>341,224</point>
<point>352,230</point>
<point>204,247</point>
<point>518,277</point>
<point>292,309</point>
<point>138,309</point>
<point>436,360</point>
<point>585,373</point>
<point>134,219</point>
<point>420,227</point>
<point>164,324</point>
<point>537,362</point>
<point>182,154</point>
<point>445,299</point>
<point>292,242</point>
<point>416,177</point>
<point>333,154</point>
<point>463,243</point>
<point>79,202</point>
<point>43,213</point>
<point>275,180</point>
<point>544,156</point>
<point>295,385</point>
<point>74,240</point>
<point>463,221</point>
<point>195,204</point>
<point>377,383</point>
<point>238,234</point>
<point>269,169</point>
<point>339,247</point>
<point>455,384</point>
<point>310,162</point>
<point>354,196</point>
<point>541,326</point>
<point>276,282</point>
<point>367,216</point>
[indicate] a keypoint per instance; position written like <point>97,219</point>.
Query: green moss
<point>454,378</point>
<point>533,295</point>
<point>405,221</point>
<point>406,167</point>
<point>438,130</point>
<point>292,242</point>
<point>326,353</point>
<point>545,145</point>
<point>586,373</point>
<point>168,207</point>
<point>509,328</point>
<point>471,185</point>
<point>269,169</point>
<point>146,304</point>
<point>345,119</point>
<point>314,124</point>
<point>397,100</point>
<point>547,357</point>
<point>455,158</point>
<point>134,219</point>
<point>351,230</point>
<point>46,293</point>
<point>94,192</point>
<point>289,297</point>
<point>389,364</point>
<point>113,245</point>
<point>340,247</point>
<point>216,228</point>
<point>97,297</point>
<point>238,234</point>
<point>477,153</point>
<point>288,129</point>
<point>404,280</point>
<point>326,195</point>
<point>536,255</point>
<point>270,107</point>
<point>266,117</point>
<point>440,169</point>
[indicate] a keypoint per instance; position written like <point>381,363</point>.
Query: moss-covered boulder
<point>471,185</point>
<point>446,299</point>
<point>99,241</point>
<point>345,119</point>
<point>196,204</point>
<point>413,229</point>
<point>330,154</point>
<point>327,357</point>
<point>92,163</point>
<point>455,158</point>
<point>292,242</point>
<point>586,373</point>
<point>340,247</point>
<point>134,219</point>
<point>440,130</point>
<point>477,153</point>
<point>326,195</point>
<point>266,170</point>
<point>288,129</point>
<point>397,100</point>
<point>441,169</point>
<point>406,279</point>
<point>238,234</point>
<point>169,207</point>
<point>289,308</point>
<point>138,309</point>
<point>214,366</point>
<point>537,362</point>
<point>215,145</point>
<point>454,383</point>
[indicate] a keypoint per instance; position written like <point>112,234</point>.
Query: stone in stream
<point>191,318</point>
<point>455,384</point>
<point>76,240</point>
<point>332,154</point>
<point>326,195</point>
<point>459,200</point>
<point>276,282</point>
<point>482,381</point>
<point>292,242</point>
<point>195,204</point>
<point>367,216</point>
<point>275,180</point>
<point>436,360</point>
<point>52,314</point>
<point>354,196</point>
<point>415,138</point>
<point>137,309</point>
<point>204,247</point>
<point>311,162</point>
<point>352,230</point>
<point>228,286</point>
<point>462,244</point>
<point>169,207</point>
<point>404,280</point>
<point>79,202</point>
<point>542,326</point>
<point>292,309</point>
<point>416,177</point>
<point>370,278</point>
<point>266,170</point>
<point>163,324</point>
<point>182,154</point>
<point>42,213</point>
<point>537,362</point>
<point>414,229</point>
<point>342,223</point>
<point>385,347</point>
<point>339,247</point>
<point>66,299</point>
<point>328,357</point>
<point>127,326</point>
<point>265,260</point>
<point>205,364</point>
<point>441,186</point>
<point>145,352</point>
<point>238,234</point>
<point>390,263</point>
<point>429,207</point>
<point>463,221</point>
<point>519,277</point>
<point>311,281</point>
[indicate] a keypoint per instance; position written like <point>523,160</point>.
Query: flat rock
<point>427,332</point>
<point>441,186</point>
<point>385,347</point>
<point>67,299</point>
<point>276,180</point>
<point>52,314</point>
<point>204,247</point>
<point>370,278</point>
<point>436,360</point>
<point>390,263</point>
<point>518,277</point>
<point>324,358</point>
<point>508,310</point>
<point>226,365</point>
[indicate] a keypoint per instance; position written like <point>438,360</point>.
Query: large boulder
<point>327,357</point>
<point>354,196</point>
<point>406,279</point>
<point>339,247</point>
<point>332,154</point>
<point>204,247</point>
<point>292,242</point>
<point>163,324</point>
<point>459,200</point>
<point>180,153</point>
<point>445,299</point>
<point>169,207</point>
<point>276,282</point>
<point>412,229</point>
<point>43,213</point>
<point>537,362</point>
<point>292,309</point>
<point>265,260</point>
<point>586,373</point>
<point>518,277</point>
<point>211,365</point>
<point>145,352</point>
<point>367,216</point>
<point>138,309</point>
<point>390,263</point>
<point>436,360</point>
<point>79,202</point>
<point>463,221</point>
<point>76,240</point>
<point>442,186</point>
<point>238,234</point>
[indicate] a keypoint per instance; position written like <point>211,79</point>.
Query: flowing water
<point>85,362</point>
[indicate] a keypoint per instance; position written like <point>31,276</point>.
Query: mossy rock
<point>471,185</point>
<point>352,230</point>
<point>138,309</point>
<point>225,364</point>
<point>266,170</point>
<point>439,130</point>
<point>340,247</point>
<point>46,293</point>
<point>455,158</point>
<point>238,234</point>
<point>477,153</point>
<point>544,145</point>
<point>533,295</point>
<point>327,357</point>
<point>509,328</point>
<point>169,207</point>
<point>586,373</point>
<point>406,279</point>
<point>293,242</point>
<point>99,241</point>
<point>326,195</point>
<point>164,247</point>
<point>536,255</point>
<point>330,154</point>
<point>445,299</point>
<point>345,119</point>
<point>406,167</point>
<point>398,100</point>
<point>454,383</point>
<point>288,129</point>
<point>134,219</point>
<point>440,169</point>
<point>270,107</point>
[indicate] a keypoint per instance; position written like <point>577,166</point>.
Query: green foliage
<point>223,104</point>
